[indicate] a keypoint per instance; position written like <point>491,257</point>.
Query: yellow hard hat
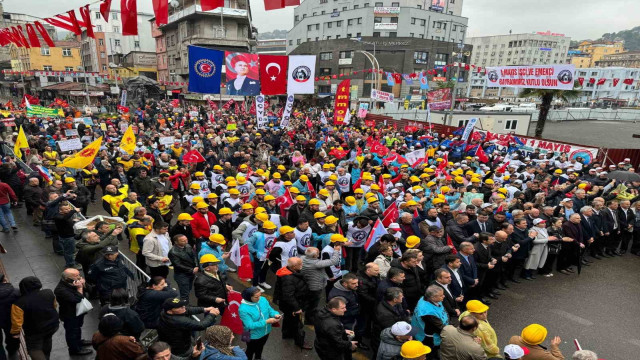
<point>411,203</point>
<point>218,239</point>
<point>503,190</point>
<point>475,180</point>
<point>281,167</point>
<point>372,199</point>
<point>329,183</point>
<point>198,173</point>
<point>358,191</point>
<point>429,170</point>
<point>294,190</point>
<point>209,258</point>
<point>304,178</point>
<point>337,238</point>
<point>268,225</point>
<point>247,207</point>
<point>330,220</point>
<point>184,217</point>
<point>260,210</point>
<point>234,192</point>
<point>69,180</point>
<point>412,241</point>
<point>431,183</point>
<point>242,180</point>
<point>232,183</point>
<point>195,186</point>
<point>269,197</point>
<point>314,202</point>
<point>197,199</point>
<point>262,217</point>
<point>476,306</point>
<point>489,181</point>
<point>229,179</point>
<point>319,215</point>
<point>285,230</point>
<point>534,334</point>
<point>326,166</point>
<point>350,200</point>
<point>414,349</point>
<point>323,192</point>
<point>444,189</point>
<point>288,183</point>
<point>414,179</point>
<point>459,179</point>
<point>225,211</point>
<point>277,176</point>
<point>558,171</point>
<point>301,198</point>
<point>582,186</point>
<point>437,201</point>
<point>260,192</point>
<point>202,205</point>
<point>212,196</point>
<point>217,167</point>
<point>375,187</point>
<point>506,177</point>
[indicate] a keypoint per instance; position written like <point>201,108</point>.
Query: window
<point>394,20</point>
<point>420,57</point>
<point>346,71</point>
<point>376,34</point>
<point>98,15</point>
<point>453,28</point>
<point>344,8</point>
<point>44,51</point>
<point>66,52</point>
<point>421,36</point>
<point>325,71</point>
<point>358,34</point>
<point>412,35</point>
<point>114,15</point>
<point>346,54</point>
<point>377,20</point>
<point>328,37</point>
<point>323,1</point>
<point>102,55</point>
<point>315,13</point>
<point>309,27</point>
<point>298,42</point>
<point>359,22</point>
<point>101,42</point>
<point>99,28</point>
<point>317,26</point>
<point>395,4</point>
<point>68,68</point>
<point>290,42</point>
<point>324,89</point>
<point>350,22</point>
<point>393,34</point>
<point>349,36</point>
<point>47,67</point>
<point>297,18</point>
<point>104,67</point>
<point>419,6</point>
<point>326,56</point>
<point>339,23</point>
<point>511,125</point>
<point>356,6</point>
<point>423,22</point>
<point>365,5</point>
<point>116,42</point>
<point>308,39</point>
<point>337,36</point>
<point>462,123</point>
<point>379,4</point>
<point>136,43</point>
<point>413,21</point>
<point>116,29</point>
<point>329,25</point>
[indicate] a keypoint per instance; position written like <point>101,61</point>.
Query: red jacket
<point>177,177</point>
<point>7,194</point>
<point>199,225</point>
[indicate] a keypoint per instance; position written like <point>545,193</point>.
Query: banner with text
<point>379,95</point>
<point>262,122</point>
<point>469,128</point>
<point>342,102</point>
<point>535,76</point>
<point>286,114</point>
<point>439,99</point>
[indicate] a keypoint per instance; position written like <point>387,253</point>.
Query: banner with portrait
<point>243,72</point>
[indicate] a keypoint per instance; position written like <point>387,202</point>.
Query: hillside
<point>275,34</point>
<point>631,38</point>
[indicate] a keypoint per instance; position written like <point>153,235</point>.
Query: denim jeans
<point>73,332</point>
<point>185,282</point>
<point>6,218</point>
<point>69,248</point>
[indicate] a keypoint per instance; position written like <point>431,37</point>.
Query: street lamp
<point>115,66</point>
<point>372,58</point>
<point>86,83</point>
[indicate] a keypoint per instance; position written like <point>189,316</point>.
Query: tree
<point>547,97</point>
<point>446,84</point>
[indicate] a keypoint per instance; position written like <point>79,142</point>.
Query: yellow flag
<point>128,142</point>
<point>83,158</point>
<point>21,143</point>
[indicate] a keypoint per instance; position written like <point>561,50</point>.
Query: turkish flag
<point>592,80</point>
<point>105,8</point>
<point>503,168</point>
<point>231,317</point>
<point>379,149</point>
<point>397,78</point>
<point>129,14</point>
<point>390,215</point>
<point>481,155</point>
<point>338,153</point>
<point>161,9</point>
<point>601,81</point>
<point>211,4</point>
<point>273,74</point>
<point>274,4</point>
<point>449,242</point>
<point>581,80</point>
<point>245,270</point>
<point>628,81</point>
<point>312,191</point>
<point>615,82</point>
<point>284,202</point>
<point>192,156</point>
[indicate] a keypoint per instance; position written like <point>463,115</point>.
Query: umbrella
<point>624,176</point>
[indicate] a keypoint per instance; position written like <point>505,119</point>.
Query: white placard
<point>71,132</point>
<point>166,140</point>
<point>68,145</point>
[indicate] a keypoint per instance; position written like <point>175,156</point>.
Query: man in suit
<point>486,265</point>
<point>456,230</point>
<point>611,228</point>
<point>443,279</point>
<point>588,230</point>
<point>598,226</point>
<point>627,220</point>
<point>456,287</point>
<point>469,270</point>
<point>480,224</point>
<point>242,85</point>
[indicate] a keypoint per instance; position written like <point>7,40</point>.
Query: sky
<point>579,19</point>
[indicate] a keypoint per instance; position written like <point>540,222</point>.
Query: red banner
<point>273,74</point>
<point>439,99</point>
<point>342,102</point>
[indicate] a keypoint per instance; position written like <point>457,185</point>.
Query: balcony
<point>193,9</point>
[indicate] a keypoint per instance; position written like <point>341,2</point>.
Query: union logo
<point>87,152</point>
<point>205,68</point>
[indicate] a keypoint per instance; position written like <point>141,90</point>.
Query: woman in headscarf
<point>218,341</point>
<point>257,316</point>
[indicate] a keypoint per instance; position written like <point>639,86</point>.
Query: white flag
<point>347,118</point>
<point>286,114</point>
<point>414,156</point>
<point>301,74</point>
<point>323,119</point>
<point>235,253</point>
<point>26,102</point>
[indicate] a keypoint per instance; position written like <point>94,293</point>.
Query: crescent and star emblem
<point>275,65</point>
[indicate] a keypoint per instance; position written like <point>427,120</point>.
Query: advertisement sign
<point>386,10</point>
<point>68,145</point>
<point>439,78</point>
<point>438,5</point>
<point>342,102</point>
<point>354,91</point>
<point>545,146</point>
<point>345,61</point>
<point>379,95</point>
<point>534,76</point>
<point>362,110</point>
<point>385,26</point>
<point>439,99</point>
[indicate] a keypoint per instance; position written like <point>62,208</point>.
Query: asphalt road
<point>596,307</point>
<point>590,133</point>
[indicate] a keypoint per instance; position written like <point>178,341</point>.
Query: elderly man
<point>314,272</point>
<point>92,244</point>
<point>291,294</point>
<point>69,293</point>
<point>460,343</point>
<point>489,340</point>
<point>456,230</point>
<point>430,317</point>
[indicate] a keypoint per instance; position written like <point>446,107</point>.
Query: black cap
<point>173,304</point>
<point>111,250</point>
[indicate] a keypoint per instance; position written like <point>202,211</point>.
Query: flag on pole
<point>84,157</point>
<point>391,214</point>
<point>192,156</point>
<point>375,234</point>
<point>21,143</point>
<point>234,253</point>
<point>128,142</point>
<point>481,155</point>
<point>231,317</point>
<point>284,202</point>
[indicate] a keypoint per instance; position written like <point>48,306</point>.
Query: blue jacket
<point>428,308</point>
<point>255,315</point>
<point>217,252</point>
<point>211,353</point>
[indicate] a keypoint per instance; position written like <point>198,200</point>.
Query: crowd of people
<point>309,202</point>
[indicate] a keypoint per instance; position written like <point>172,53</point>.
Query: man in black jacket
<point>368,279</point>
<point>183,259</point>
<point>89,249</point>
<point>69,293</point>
<point>486,265</point>
<point>332,340</point>
<point>443,280</point>
<point>411,285</point>
<point>456,230</point>
<point>210,287</point>
<point>109,272</point>
<point>176,325</point>
<point>346,288</point>
<point>8,295</point>
<point>64,225</point>
<point>150,298</point>
<point>388,312</point>
<point>290,294</point>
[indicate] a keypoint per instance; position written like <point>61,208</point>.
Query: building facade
<point>622,94</point>
<point>272,47</point>
<point>540,48</point>
<point>226,28</point>
<point>109,45</point>
<point>65,56</point>
<point>596,50</point>
<point>404,36</point>
<point>630,59</point>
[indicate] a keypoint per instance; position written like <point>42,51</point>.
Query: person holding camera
<point>69,293</point>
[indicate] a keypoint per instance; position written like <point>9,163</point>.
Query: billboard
<point>386,10</point>
<point>243,72</point>
<point>439,99</point>
<point>438,5</point>
<point>532,76</point>
<point>385,26</point>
